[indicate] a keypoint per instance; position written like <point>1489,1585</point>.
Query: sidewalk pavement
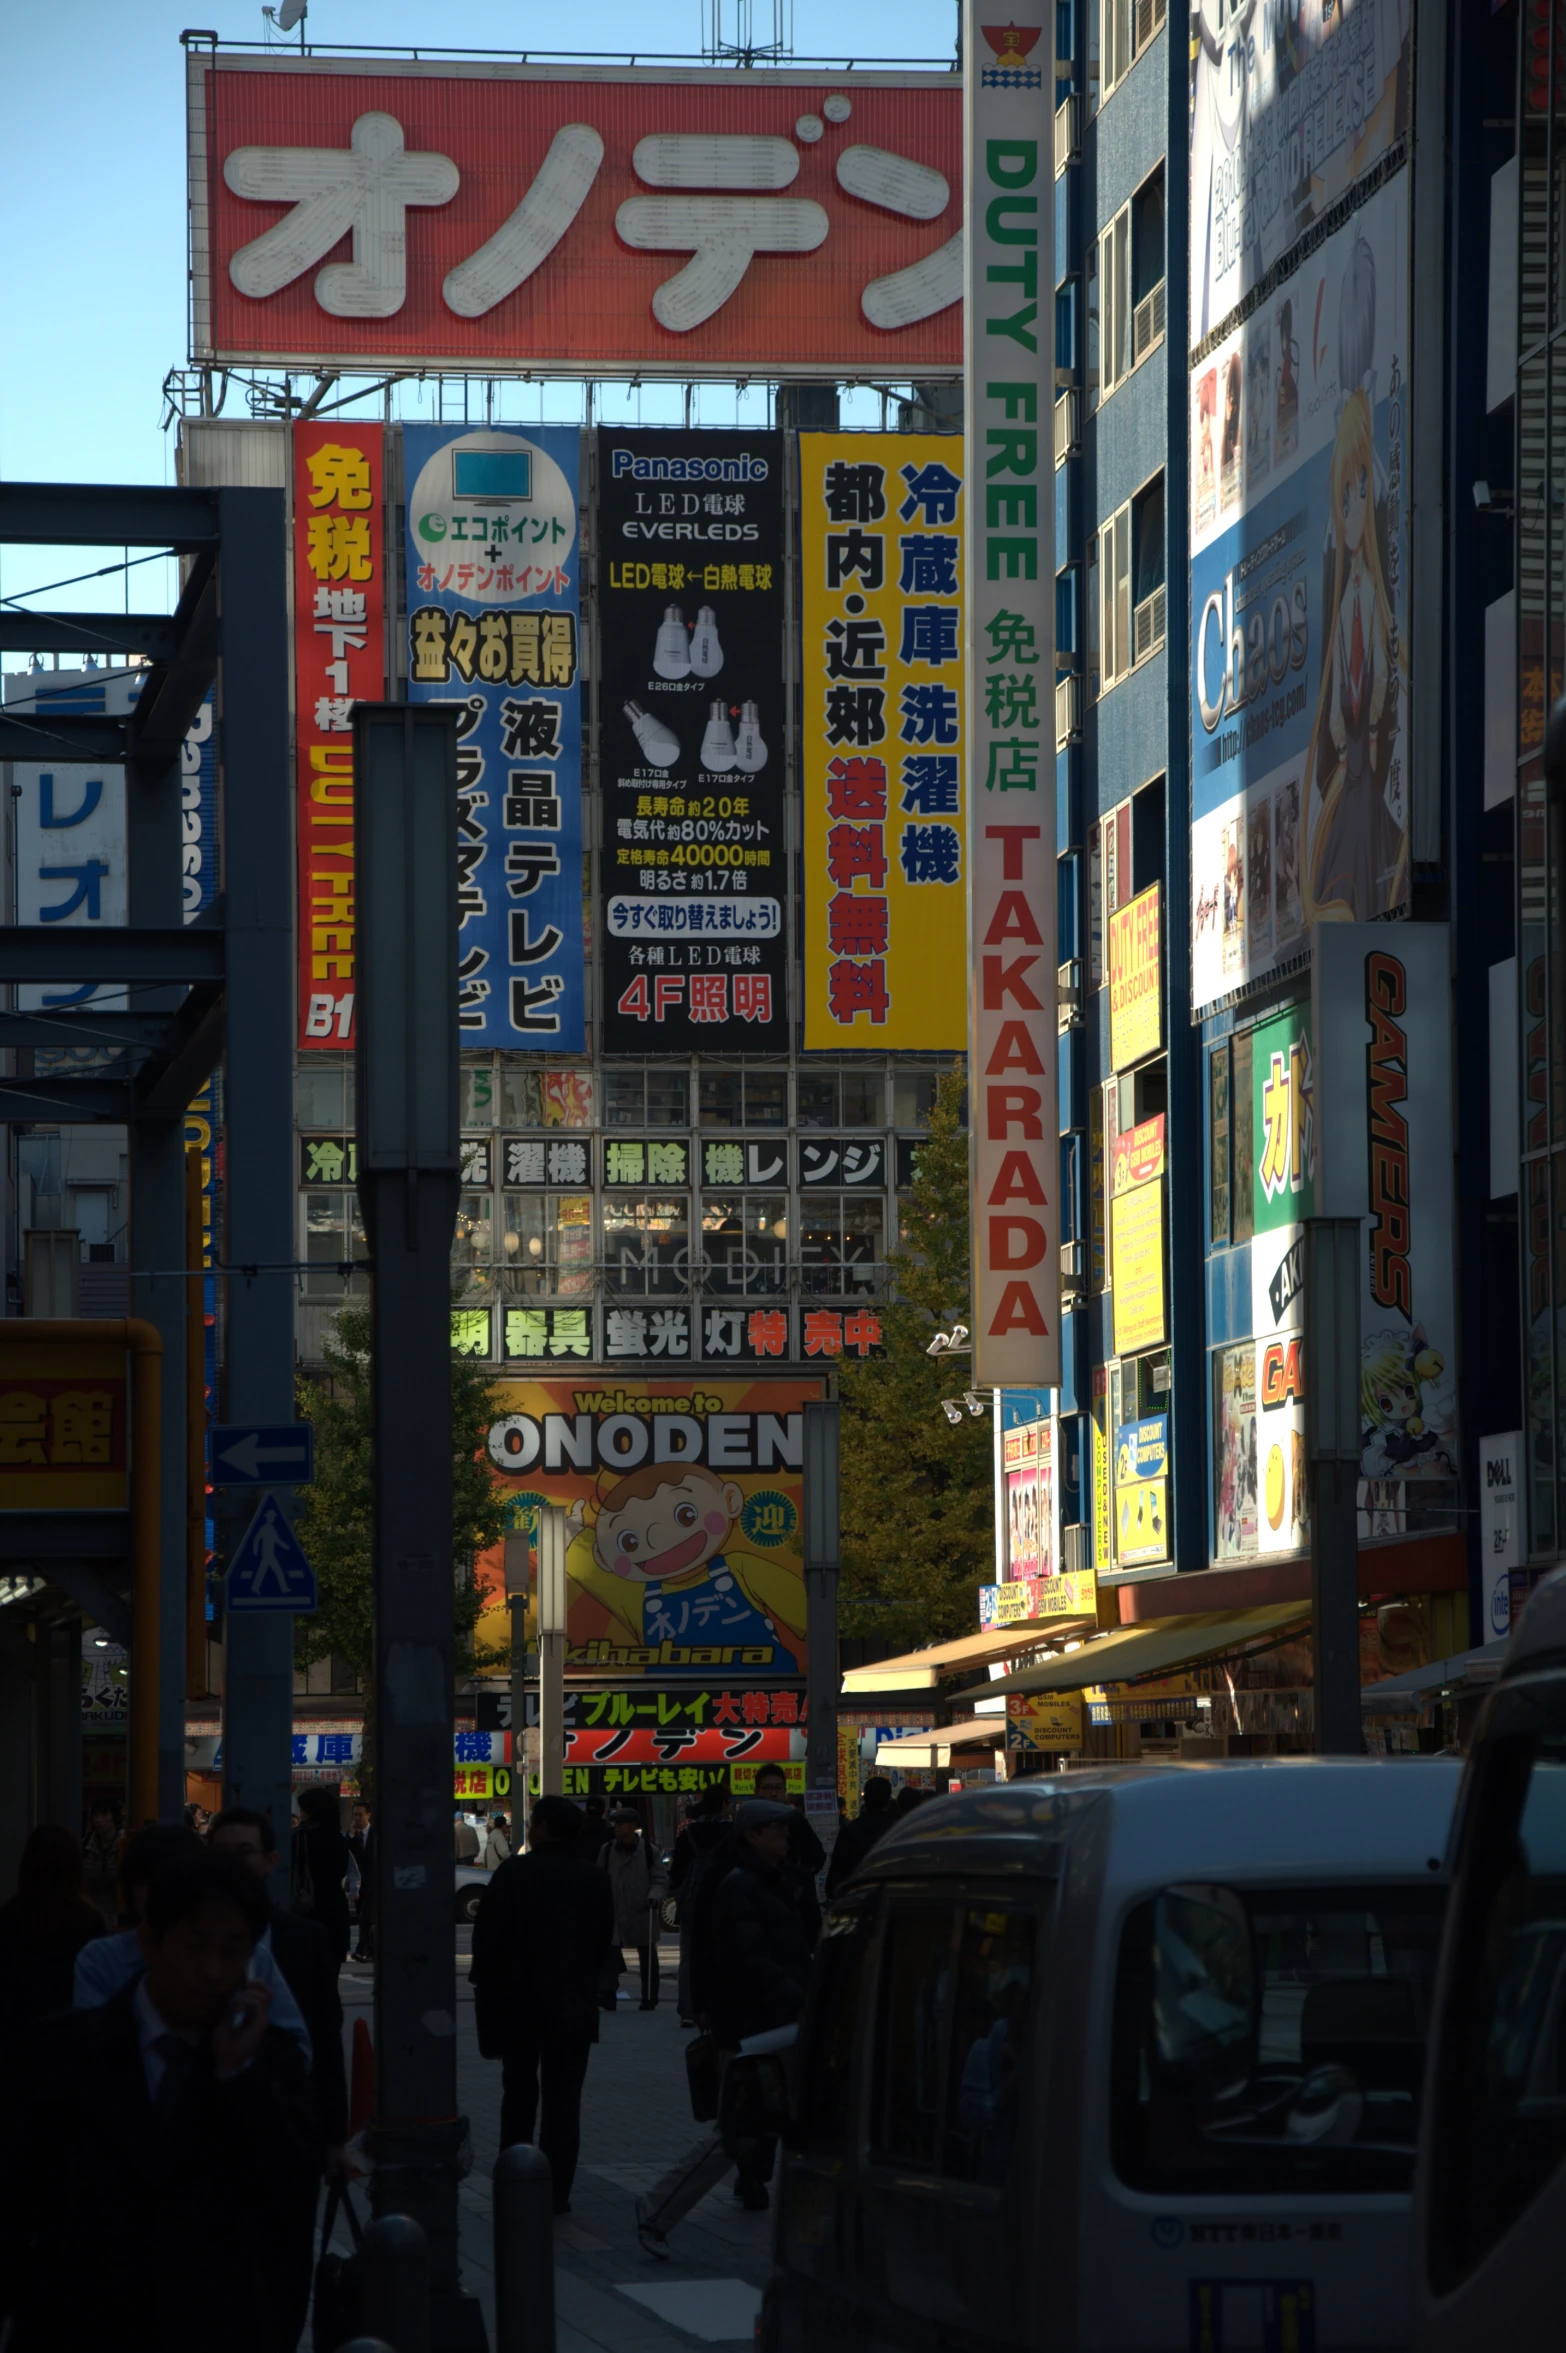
<point>636,2120</point>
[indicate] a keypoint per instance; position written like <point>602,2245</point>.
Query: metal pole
<point>258,1195</point>
<point>1333,1247</point>
<point>524,2252</point>
<point>405,795</point>
<point>519,1554</point>
<point>551,1648</point>
<point>394,2272</point>
<point>156,1164</point>
<point>821,1498</point>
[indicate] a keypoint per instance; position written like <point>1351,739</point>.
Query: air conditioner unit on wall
<point>1147,625</point>
<point>1147,323</point>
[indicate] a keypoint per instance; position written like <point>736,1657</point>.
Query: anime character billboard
<point>1299,609</point>
<point>683,1513</point>
<point>1381,1025</point>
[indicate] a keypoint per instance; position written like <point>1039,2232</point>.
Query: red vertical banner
<point>339,659</point>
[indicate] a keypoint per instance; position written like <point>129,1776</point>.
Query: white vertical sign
<point>1500,1530</point>
<point>1009,382</point>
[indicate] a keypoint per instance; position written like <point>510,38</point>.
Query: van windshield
<point>1272,2040</point>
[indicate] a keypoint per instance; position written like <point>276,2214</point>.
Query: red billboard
<point>574,220</point>
<point>339,659</point>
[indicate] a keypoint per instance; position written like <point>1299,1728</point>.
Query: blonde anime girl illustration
<point>1357,860</point>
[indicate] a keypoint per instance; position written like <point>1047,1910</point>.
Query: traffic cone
<point>361,2096</point>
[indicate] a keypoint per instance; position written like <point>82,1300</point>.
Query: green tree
<point>917,1491</point>
<point>334,1513</point>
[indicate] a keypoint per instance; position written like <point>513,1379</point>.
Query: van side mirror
<point>754,2102</point>
<point>1205,2013</point>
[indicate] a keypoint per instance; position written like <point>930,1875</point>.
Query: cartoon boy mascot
<point>658,1559</point>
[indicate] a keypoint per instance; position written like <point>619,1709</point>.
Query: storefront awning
<point>1469,1671</point>
<point>921,1670</point>
<point>1156,1648</point>
<point>932,1751</point>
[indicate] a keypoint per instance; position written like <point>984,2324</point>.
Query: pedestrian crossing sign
<point>269,1570</point>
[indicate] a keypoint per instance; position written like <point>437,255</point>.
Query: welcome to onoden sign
<point>1010,575</point>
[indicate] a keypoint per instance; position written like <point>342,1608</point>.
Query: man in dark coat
<point>544,1929</point>
<point>856,1838</point>
<point>750,1971</point>
<point>175,2090</point>
<point>805,1855</point>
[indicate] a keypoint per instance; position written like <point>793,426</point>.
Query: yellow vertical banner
<point>881,742</point>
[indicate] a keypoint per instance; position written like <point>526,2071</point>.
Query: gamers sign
<point>571,220</point>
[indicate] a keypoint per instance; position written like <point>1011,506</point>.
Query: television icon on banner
<point>493,477</point>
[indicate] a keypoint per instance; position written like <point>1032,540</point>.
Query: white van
<point>1490,2203</point>
<point>1125,2061</point>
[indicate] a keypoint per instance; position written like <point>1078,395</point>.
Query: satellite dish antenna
<point>288,14</point>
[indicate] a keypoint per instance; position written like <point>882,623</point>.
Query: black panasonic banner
<point>690,602</point>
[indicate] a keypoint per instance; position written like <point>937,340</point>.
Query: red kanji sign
<point>695,224</point>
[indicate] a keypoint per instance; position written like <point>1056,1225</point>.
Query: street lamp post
<point>552,1540</point>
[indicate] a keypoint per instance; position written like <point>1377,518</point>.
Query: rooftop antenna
<point>747,32</point>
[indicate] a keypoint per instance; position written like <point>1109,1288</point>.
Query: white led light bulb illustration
<point>659,748</point>
<point>750,753</point>
<point>717,745</point>
<point>706,652</point>
<point>672,653</point>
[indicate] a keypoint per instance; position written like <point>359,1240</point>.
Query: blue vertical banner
<point>494,626</point>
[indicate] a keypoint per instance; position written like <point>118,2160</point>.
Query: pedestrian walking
<point>751,1967</point>
<point>101,1859</point>
<point>178,2089</point>
<point>361,1841</point>
<point>465,1839</point>
<point>595,1827</point>
<point>302,1951</point>
<point>856,1838</point>
<point>806,1854</point>
<point>544,1925</point>
<point>700,1839</point>
<point>639,1881</point>
<point>498,1847</point>
<point>108,1964</point>
<point>320,1869</point>
<point>42,1929</point>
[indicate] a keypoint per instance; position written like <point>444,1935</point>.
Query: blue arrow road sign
<point>268,1454</point>
<point>269,1571</point>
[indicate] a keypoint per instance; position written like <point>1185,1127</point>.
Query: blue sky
<point>92,184</point>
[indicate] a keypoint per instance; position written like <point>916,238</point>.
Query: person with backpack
<point>704,1832</point>
<point>638,1881</point>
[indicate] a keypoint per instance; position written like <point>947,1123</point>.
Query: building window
<point>1130,566</point>
<point>841,1244</point>
<point>1147,570</point>
<point>1114,569</point>
<point>647,1243</point>
<point>472,1251</point>
<point>1114,297</point>
<point>1118,32</point>
<point>646,1098</point>
<point>1147,267</point>
<point>740,1098</point>
<point>744,1243</point>
<point>333,1237</point>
